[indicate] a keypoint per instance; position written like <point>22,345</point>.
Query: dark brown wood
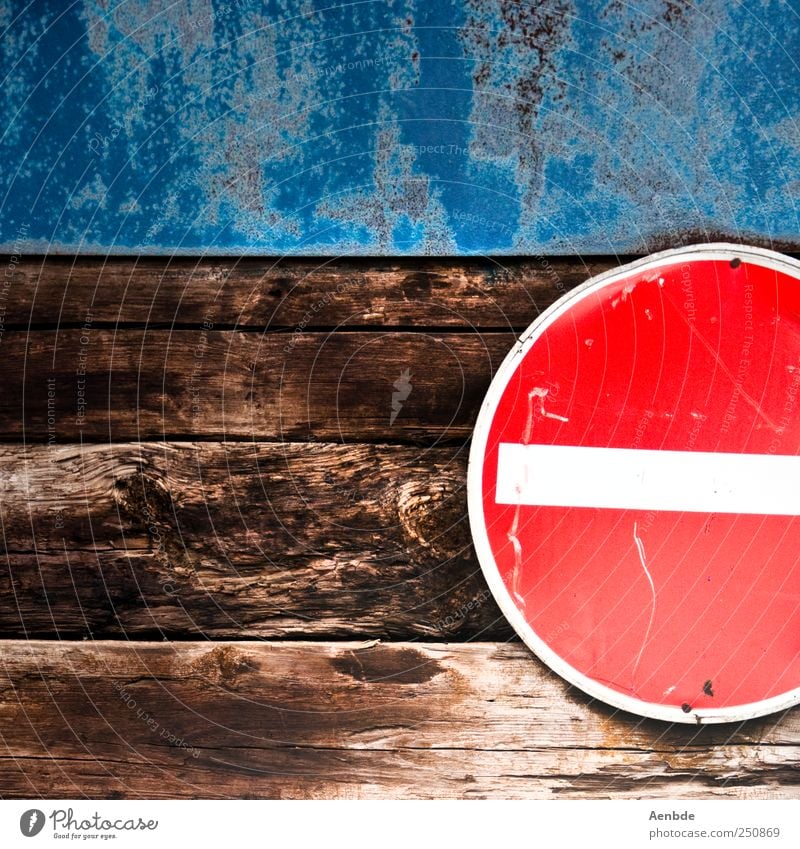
<point>106,385</point>
<point>268,293</point>
<point>239,540</point>
<point>351,720</point>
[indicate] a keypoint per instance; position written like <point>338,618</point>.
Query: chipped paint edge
<point>593,688</point>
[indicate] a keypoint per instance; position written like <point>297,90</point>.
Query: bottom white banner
<point>752,823</point>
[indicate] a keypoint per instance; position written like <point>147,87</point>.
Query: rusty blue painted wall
<point>406,127</point>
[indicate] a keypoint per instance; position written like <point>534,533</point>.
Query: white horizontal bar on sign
<point>638,479</point>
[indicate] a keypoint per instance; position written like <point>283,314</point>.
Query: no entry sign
<point>634,485</point>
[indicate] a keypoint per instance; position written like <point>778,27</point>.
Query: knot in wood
<point>143,499</point>
<point>220,666</point>
<point>433,516</point>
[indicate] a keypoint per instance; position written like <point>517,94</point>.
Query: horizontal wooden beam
<point>107,385</point>
<point>239,539</point>
<point>351,720</point>
<point>269,293</point>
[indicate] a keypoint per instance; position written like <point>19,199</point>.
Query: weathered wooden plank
<point>239,539</point>
<point>108,385</point>
<point>269,293</point>
<point>348,719</point>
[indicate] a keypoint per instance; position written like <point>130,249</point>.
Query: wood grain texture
<point>351,720</point>
<point>268,293</point>
<point>239,539</point>
<point>255,484</point>
<point>106,385</point>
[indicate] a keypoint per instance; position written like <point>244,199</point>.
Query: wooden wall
<point>229,571</point>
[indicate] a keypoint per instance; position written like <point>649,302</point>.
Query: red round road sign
<point>634,485</point>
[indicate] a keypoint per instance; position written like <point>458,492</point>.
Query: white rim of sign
<point>737,713</point>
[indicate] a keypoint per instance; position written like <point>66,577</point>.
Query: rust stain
<point>513,76</point>
<point>682,236</point>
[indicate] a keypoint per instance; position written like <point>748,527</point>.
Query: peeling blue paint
<point>406,127</point>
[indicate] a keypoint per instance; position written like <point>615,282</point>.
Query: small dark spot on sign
<point>686,707</point>
<point>708,688</point>
<point>386,665</point>
<point>735,262</point>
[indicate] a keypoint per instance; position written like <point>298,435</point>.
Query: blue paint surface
<point>407,127</point>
